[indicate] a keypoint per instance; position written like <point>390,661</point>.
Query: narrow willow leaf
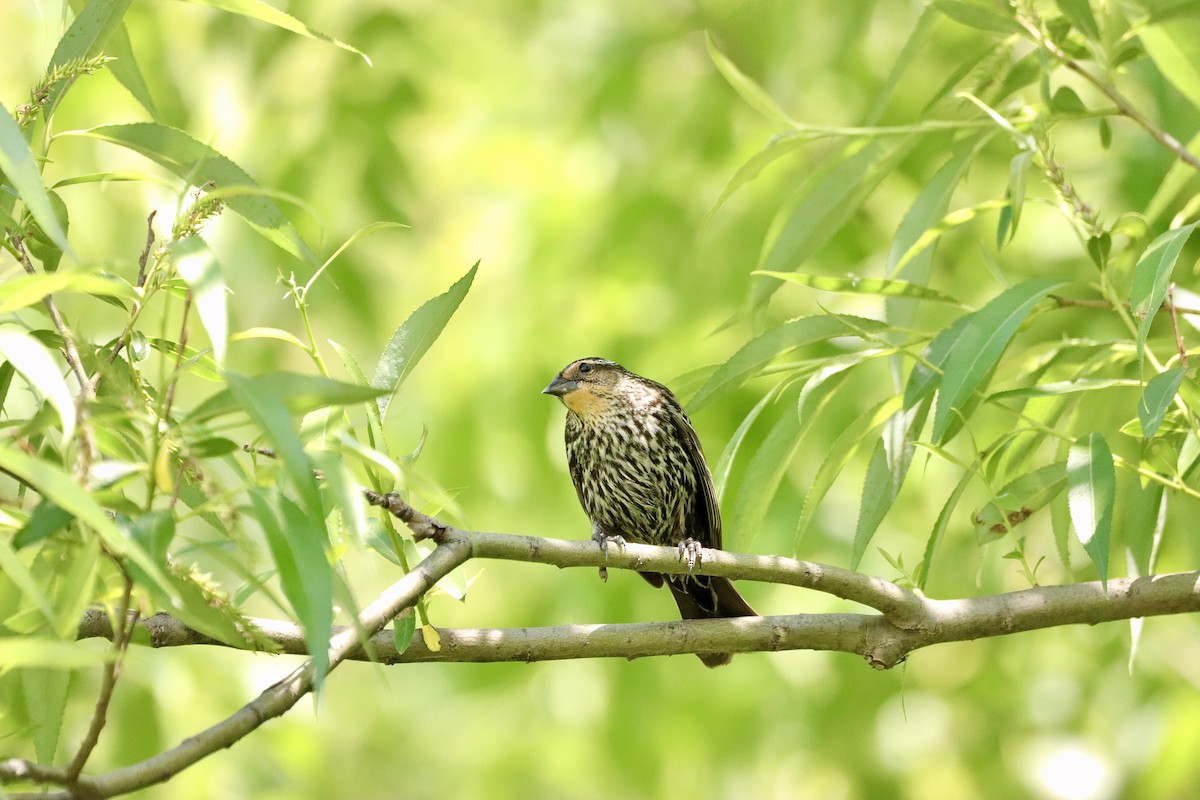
<point>776,148</point>
<point>31,358</point>
<point>1173,183</point>
<point>826,202</point>
<point>347,492</point>
<point>856,436</point>
<point>939,527</point>
<point>197,265</point>
<point>199,164</point>
<point>1172,48</point>
<point>415,336</point>
<point>46,520</point>
<point>1144,523</point>
<point>15,571</point>
<point>1157,398</point>
<point>85,37</point>
<point>403,630</point>
<point>268,333</point>
<point>1152,277</point>
<point>913,45</point>
<point>125,69</point>
<point>1062,387</point>
<point>779,340</point>
<point>45,694</point>
<point>1091,482</point>
<point>304,573</point>
<point>977,16</point>
<point>876,500</point>
<point>1079,12</point>
<point>1018,169</point>
<point>19,167</point>
<point>948,223</point>
<point>754,95</point>
<point>763,476</point>
<point>261,400</point>
<point>978,348</point>
<point>301,394</point>
<point>28,651</point>
<point>865,286</point>
<point>361,233</point>
<point>1019,499</point>
<point>729,454</point>
<point>255,9</point>
<point>926,375</point>
<point>27,290</point>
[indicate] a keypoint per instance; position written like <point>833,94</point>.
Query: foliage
<point>966,328</point>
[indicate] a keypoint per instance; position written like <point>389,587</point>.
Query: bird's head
<point>590,387</point>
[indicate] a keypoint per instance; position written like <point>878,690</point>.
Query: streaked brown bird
<point>641,477</point>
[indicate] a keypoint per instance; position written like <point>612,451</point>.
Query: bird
<point>640,475</point>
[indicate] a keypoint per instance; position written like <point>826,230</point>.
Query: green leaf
<point>15,571</point>
<point>1152,277</point>
<point>85,37</point>
<point>1020,499</point>
<point>46,520</point>
<point>978,17</point>
<point>1079,12</point>
<point>864,286</point>
<point>25,651</point>
<point>197,264</point>
<point>1173,48</point>
<point>26,290</point>
<point>779,340</point>
<point>926,375</point>
<point>300,393</point>
<point>403,630</point>
<point>361,233</point>
<point>1063,387</point>
<point>939,527</point>
<point>45,693</point>
<point>19,167</point>
<point>763,476</point>
<point>977,349</point>
<point>297,547</point>
<point>31,358</point>
<point>1144,524</point>
<point>1067,101</point>
<point>947,223</point>
<point>125,69</point>
<point>413,338</point>
<point>1157,398</point>
<point>254,9</point>
<point>261,400</point>
<point>754,95</point>
<point>199,164</point>
<point>1091,491</point>
<point>913,44</point>
<point>876,500</point>
<point>852,439</point>
<point>826,202</point>
<point>1177,177</point>
<point>154,531</point>
<point>776,148</point>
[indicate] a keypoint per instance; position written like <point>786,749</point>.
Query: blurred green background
<point>576,149</point>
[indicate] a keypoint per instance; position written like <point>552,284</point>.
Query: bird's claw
<point>604,540</point>
<point>691,551</point>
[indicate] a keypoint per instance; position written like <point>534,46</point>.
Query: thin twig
<point>141,277</point>
<point>1179,345</point>
<point>1124,107</point>
<point>112,671</point>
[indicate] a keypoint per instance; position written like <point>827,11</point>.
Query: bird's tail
<point>708,597</point>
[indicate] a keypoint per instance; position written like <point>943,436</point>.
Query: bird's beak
<point>561,386</point>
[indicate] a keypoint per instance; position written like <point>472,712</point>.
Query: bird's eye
<point>585,368</point>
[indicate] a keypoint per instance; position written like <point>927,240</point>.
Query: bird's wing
<point>706,516</point>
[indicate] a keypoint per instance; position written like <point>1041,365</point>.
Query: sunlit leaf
<point>26,290</point>
<point>977,16</point>
<point>199,164</point>
<point>975,352</point>
<point>24,651</point>
<point>86,36</point>
<point>18,166</point>
<point>403,630</point>
<point>940,525</point>
<point>31,358</point>
<point>1152,277</point>
<point>1091,492</point>
<point>754,95</point>
<point>197,265</point>
<point>415,336</point>
<point>865,286</point>
<point>1157,398</point>
<point>45,693</point>
<point>300,393</point>
<point>255,9</point>
<point>784,338</point>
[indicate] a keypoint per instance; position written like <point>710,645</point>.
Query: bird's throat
<point>585,405</point>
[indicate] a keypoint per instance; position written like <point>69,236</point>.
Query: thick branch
<point>882,639</point>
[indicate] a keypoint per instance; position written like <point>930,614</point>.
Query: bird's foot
<point>604,540</point>
<point>691,551</point>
